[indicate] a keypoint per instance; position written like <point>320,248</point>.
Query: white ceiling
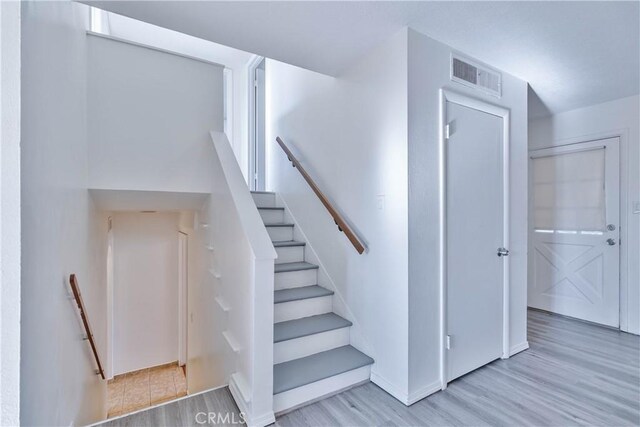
<point>573,54</point>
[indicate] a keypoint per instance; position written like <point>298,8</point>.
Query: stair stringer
<point>325,280</point>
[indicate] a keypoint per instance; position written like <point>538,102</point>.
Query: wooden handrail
<point>85,321</point>
<point>337,218</point>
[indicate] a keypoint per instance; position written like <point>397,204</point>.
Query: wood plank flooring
<point>574,374</point>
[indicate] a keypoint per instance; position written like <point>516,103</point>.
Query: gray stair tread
<point>278,224</point>
<point>296,294</point>
<point>298,372</point>
<point>286,243</point>
<point>293,266</point>
<point>270,208</point>
<point>262,192</point>
<point>291,329</point>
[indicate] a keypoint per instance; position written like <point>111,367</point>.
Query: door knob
<point>503,252</point>
<point>611,242</point>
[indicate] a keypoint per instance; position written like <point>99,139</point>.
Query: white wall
<point>239,274</point>
<point>350,133</point>
<point>10,213</point>
<point>145,305</point>
<point>429,70</point>
<point>370,138</point>
<point>614,118</point>
<point>150,114</point>
<point>70,142</point>
<point>232,59</point>
<point>60,227</point>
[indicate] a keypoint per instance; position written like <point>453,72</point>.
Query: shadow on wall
<point>350,134</point>
<point>297,128</point>
<point>536,107</point>
<point>338,214</point>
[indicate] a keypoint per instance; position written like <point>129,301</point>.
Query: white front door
<point>474,232</point>
<point>575,233</point>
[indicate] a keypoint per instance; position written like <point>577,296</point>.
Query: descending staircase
<point>312,355</point>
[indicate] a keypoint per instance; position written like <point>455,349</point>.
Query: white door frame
<point>110,297</point>
<point>183,277</point>
<point>253,64</point>
<point>227,77</point>
<point>447,95</point>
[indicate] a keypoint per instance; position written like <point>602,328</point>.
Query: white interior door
<point>575,235</point>
<point>474,232</point>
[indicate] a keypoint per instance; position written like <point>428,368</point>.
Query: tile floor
<point>146,387</point>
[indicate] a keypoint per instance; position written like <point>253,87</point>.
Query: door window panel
<point>569,193</point>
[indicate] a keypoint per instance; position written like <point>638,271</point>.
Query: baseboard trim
<point>515,349</point>
<point>244,406</point>
<point>237,395</point>
<point>423,392</point>
<point>240,386</point>
<point>406,398</point>
<point>387,386</point>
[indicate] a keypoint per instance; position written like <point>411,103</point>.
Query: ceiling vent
<point>470,73</point>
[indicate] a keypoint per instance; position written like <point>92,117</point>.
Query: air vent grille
<point>471,74</point>
<point>464,71</point>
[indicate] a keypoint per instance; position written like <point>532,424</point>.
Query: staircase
<point>311,352</point>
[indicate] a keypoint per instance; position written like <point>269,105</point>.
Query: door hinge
<point>448,342</point>
<point>447,133</point>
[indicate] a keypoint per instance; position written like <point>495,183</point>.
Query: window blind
<point>568,191</point>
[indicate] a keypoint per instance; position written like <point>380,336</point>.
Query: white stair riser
<point>271,215</point>
<point>279,234</point>
<point>329,386</point>
<point>264,200</point>
<point>302,308</point>
<point>290,254</point>
<point>311,344</point>
<point>295,279</point>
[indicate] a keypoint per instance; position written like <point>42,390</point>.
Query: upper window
<point>569,193</point>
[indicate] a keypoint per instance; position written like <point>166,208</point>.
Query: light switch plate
<point>380,202</point>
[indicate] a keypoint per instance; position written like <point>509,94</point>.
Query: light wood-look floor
<point>573,374</point>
